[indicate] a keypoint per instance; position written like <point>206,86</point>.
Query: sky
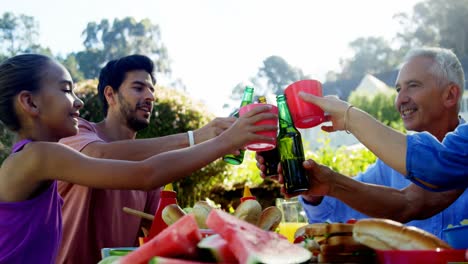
<point>216,44</point>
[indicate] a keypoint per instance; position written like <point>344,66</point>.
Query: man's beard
<point>135,124</point>
<point>129,114</point>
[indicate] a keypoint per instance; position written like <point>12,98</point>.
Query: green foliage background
<point>6,140</point>
<point>347,161</point>
<point>381,106</point>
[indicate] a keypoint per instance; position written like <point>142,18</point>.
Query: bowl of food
<point>456,236</point>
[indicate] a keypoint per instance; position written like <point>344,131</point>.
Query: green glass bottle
<point>247,98</point>
<point>291,151</point>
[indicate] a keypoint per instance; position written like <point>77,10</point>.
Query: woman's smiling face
<point>57,103</point>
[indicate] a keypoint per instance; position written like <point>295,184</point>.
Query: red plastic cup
<point>260,145</point>
<point>304,114</point>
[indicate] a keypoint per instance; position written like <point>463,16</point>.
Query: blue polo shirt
<point>441,164</point>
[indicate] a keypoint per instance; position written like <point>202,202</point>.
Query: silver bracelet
<point>190,138</point>
<point>345,118</point>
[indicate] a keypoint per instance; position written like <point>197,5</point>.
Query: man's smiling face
<point>419,100</point>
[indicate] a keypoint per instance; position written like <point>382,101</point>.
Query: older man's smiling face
<point>419,100</point>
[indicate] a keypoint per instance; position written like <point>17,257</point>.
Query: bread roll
<point>249,210</point>
<point>171,213</point>
<point>201,209</point>
<point>270,218</point>
<point>386,234</point>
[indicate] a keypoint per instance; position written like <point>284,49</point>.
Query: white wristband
<point>190,138</point>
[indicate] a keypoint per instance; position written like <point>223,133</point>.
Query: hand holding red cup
<point>304,114</point>
<point>260,145</point>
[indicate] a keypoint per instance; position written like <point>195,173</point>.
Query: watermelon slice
<point>177,240</point>
<point>251,244</point>
<point>215,248</point>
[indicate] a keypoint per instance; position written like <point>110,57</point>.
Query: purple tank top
<point>31,230</point>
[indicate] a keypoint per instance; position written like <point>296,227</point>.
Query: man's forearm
<point>386,143</point>
<point>372,200</point>
<point>136,149</point>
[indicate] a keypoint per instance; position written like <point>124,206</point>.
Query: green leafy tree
<point>432,23</point>
<point>381,106</point>
<point>105,41</point>
<point>71,64</point>
<point>237,92</point>
<point>278,74</point>
<point>371,55</point>
<point>19,34</point>
<point>437,23</point>
<point>272,78</point>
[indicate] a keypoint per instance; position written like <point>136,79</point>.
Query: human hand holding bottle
<point>265,170</point>
<point>237,157</point>
<point>267,161</point>
<point>313,195</point>
<point>320,179</point>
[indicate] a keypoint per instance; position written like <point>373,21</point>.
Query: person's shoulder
<point>84,124</point>
<point>462,129</point>
<point>33,153</point>
<point>461,121</point>
<point>42,148</point>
